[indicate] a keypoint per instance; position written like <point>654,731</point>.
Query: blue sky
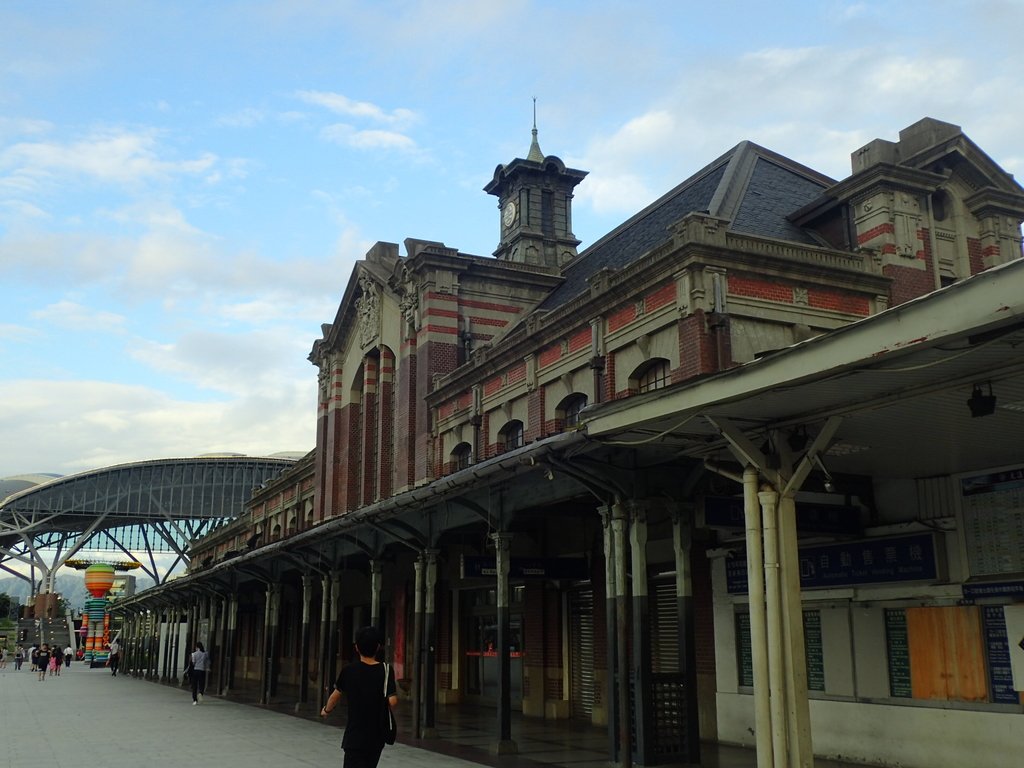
<point>185,186</point>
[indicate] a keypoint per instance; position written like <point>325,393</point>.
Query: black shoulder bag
<point>387,719</point>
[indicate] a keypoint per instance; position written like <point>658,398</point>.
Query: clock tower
<point>535,204</point>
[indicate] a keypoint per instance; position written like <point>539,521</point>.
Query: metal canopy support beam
<point>783,723</point>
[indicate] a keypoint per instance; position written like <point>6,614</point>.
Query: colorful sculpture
<point>99,578</point>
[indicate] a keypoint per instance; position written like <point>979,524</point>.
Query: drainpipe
<point>758,630</point>
<point>776,683</point>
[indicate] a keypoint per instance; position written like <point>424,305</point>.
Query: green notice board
<point>898,651</point>
<point>744,650</point>
<point>815,654</point>
<point>812,644</point>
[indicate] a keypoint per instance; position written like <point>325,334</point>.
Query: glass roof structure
<point>138,511</point>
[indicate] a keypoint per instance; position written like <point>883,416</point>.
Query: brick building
<point>455,497</point>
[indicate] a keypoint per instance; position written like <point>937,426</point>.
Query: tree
<point>6,605</point>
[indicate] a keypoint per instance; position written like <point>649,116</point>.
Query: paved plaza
<point>86,718</point>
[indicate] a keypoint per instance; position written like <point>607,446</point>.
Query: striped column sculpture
<point>99,577</point>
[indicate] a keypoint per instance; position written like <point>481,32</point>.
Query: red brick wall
<point>405,416</point>
<point>838,301</point>
<point>386,428</point>
<point>769,290</point>
<point>660,297</point>
<point>579,340</point>
<point>976,255</point>
<point>621,318</point>
<point>908,283</point>
<point>697,353</point>
<point>433,358</point>
<point>368,460</point>
<point>534,415</point>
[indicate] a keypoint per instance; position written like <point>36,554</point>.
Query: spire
<point>535,154</point>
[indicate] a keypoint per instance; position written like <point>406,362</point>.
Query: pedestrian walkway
<point>86,717</point>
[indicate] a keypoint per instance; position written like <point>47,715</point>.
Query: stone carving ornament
<point>368,311</point>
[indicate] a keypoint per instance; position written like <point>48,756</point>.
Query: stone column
<point>502,551</point>
<point>417,662</point>
<point>175,629</point>
<point>325,621</point>
<point>430,644</point>
<point>610,628</point>
<point>641,625</point>
<point>621,630</point>
<point>333,629</point>
<point>230,645</point>
<point>307,615</point>
<point>271,604</point>
<point>682,539</point>
<point>376,579</point>
<point>795,653</point>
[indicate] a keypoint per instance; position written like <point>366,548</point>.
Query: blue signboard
<point>870,561</point>
<point>727,512</point>
<point>983,589</point>
<point>474,566</point>
<point>997,647</point>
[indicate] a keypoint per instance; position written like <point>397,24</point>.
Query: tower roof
<point>535,154</point>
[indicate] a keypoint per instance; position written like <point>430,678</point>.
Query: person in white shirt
<point>198,666</point>
<point>114,660</point>
<point>69,654</point>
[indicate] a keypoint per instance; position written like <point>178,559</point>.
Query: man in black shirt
<point>43,661</point>
<point>362,683</point>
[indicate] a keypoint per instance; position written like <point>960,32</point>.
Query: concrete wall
<point>880,734</point>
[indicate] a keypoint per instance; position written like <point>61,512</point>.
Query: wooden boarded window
<point>947,653</point>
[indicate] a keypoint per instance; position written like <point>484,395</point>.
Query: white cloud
<point>73,316</point>
<point>92,424</point>
<point>346,135</point>
<point>113,157</point>
<point>816,105</point>
<point>342,105</point>
<point>18,333</point>
<point>243,118</point>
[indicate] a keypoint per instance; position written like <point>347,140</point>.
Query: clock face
<point>508,213</point>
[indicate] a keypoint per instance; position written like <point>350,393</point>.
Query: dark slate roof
<point>772,194</point>
<point>752,187</point>
<point>636,237</point>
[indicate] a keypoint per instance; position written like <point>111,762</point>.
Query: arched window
<point>654,374</point>
<point>461,456</point>
<point>568,411</point>
<point>511,435</point>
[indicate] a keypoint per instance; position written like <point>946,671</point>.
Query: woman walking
<point>198,667</point>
